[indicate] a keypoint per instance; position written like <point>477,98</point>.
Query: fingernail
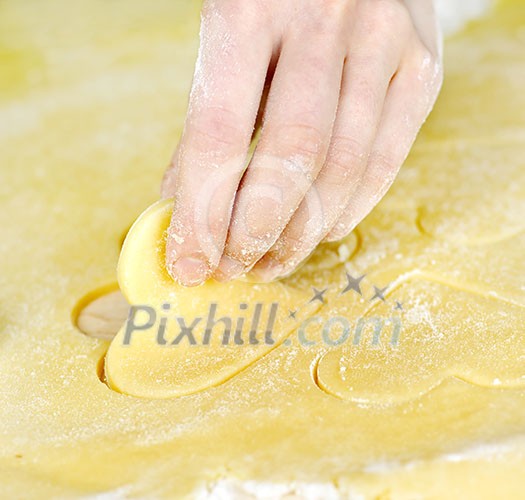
<point>228,269</point>
<point>189,271</point>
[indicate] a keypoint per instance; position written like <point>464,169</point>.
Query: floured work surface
<point>420,392</point>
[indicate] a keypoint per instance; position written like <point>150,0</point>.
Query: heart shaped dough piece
<point>179,340</point>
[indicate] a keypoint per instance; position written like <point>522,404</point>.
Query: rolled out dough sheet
<point>91,99</point>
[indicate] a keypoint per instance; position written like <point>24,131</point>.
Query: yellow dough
<point>185,357</point>
<point>424,396</point>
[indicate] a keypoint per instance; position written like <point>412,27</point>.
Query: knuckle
<point>432,71</point>
<point>368,100</point>
<point>422,56</point>
<point>315,63</point>
<point>385,167</point>
<point>347,157</point>
<point>216,129</point>
<point>426,68</point>
<point>325,19</point>
<point>244,14</point>
<point>387,16</point>
<point>297,140</point>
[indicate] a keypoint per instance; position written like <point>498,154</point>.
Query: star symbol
<point>379,293</point>
<point>353,284</point>
<point>318,295</point>
<point>292,314</point>
<point>399,306</point>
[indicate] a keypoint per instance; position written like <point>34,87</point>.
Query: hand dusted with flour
<point>339,88</point>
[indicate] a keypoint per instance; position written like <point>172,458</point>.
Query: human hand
<point>350,84</point>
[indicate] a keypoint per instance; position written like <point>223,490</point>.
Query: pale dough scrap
<point>89,110</point>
